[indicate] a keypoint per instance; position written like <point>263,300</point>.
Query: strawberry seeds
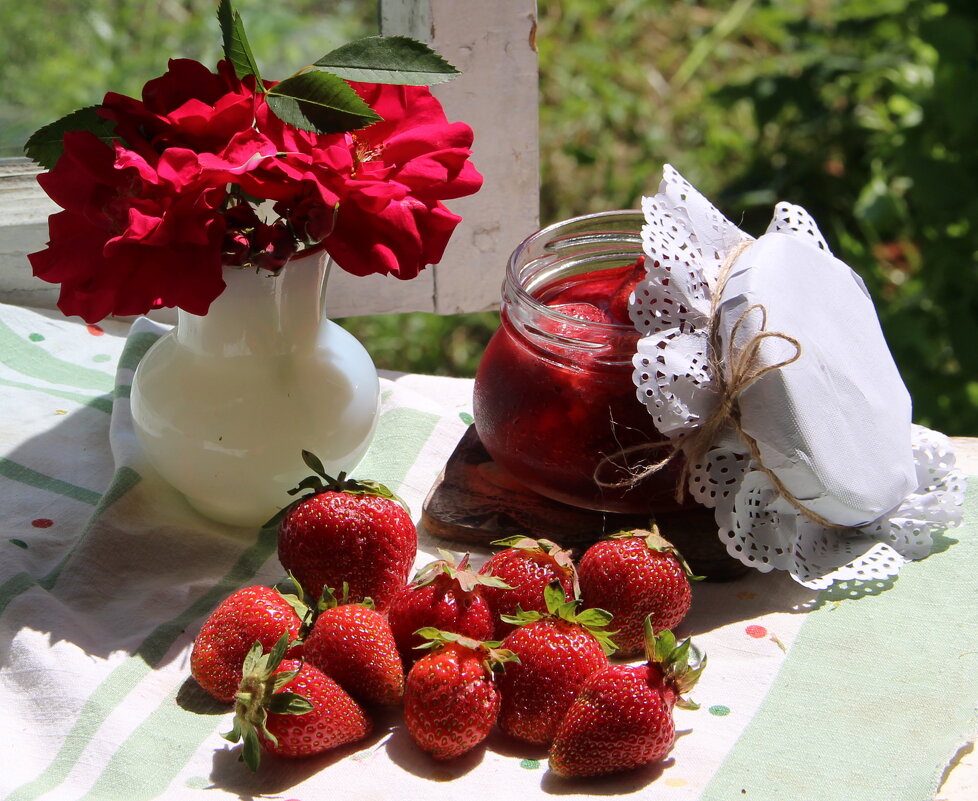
<point>522,644</point>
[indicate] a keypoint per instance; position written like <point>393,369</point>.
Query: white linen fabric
<point>107,574</point>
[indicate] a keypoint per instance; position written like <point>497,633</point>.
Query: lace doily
<point>910,477</point>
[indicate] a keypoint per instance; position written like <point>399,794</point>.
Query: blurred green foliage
<point>862,111</point>
<point>59,55</point>
<point>433,344</point>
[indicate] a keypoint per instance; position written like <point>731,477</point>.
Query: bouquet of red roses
<point>224,169</point>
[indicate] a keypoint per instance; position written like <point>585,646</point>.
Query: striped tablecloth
<point>861,692</point>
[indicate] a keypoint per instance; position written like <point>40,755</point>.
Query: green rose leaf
<point>236,47</point>
<point>388,59</point>
<point>321,103</point>
<point>47,144</point>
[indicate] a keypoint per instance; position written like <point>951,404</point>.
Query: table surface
<point>961,783</point>
<point>107,575</point>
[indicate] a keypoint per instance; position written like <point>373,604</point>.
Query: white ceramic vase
<point>225,403</point>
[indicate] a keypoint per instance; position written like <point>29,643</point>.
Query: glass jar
<point>555,405</point>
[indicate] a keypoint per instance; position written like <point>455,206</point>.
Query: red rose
<point>252,161</point>
<point>133,234</point>
<point>306,176</point>
<point>273,246</point>
<point>415,144</point>
<point>146,223</point>
<point>188,106</point>
<point>398,237</point>
<point>390,219</point>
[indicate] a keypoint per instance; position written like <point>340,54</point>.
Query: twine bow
<point>743,368</point>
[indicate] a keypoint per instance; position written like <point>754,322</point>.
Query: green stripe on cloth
<point>102,402</point>
<point>14,586</point>
<point>139,773</point>
<point>401,433</point>
<point>401,436</point>
<point>136,347</point>
<point>155,646</point>
<point>124,480</point>
<point>30,359</point>
<point>107,696</point>
<point>410,429</point>
<point>875,717</point>
<point>134,350</point>
<point>111,692</point>
<point>32,478</point>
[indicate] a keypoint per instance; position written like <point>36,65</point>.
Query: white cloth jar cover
<point>863,490</point>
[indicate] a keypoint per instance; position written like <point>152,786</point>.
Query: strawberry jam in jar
<point>555,405</point>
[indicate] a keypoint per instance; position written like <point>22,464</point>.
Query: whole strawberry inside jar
<point>555,405</point>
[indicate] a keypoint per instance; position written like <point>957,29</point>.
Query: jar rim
<point>622,221</point>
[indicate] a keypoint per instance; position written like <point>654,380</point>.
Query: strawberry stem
<point>559,606</point>
<point>323,482</point>
<point>258,694</point>
<point>493,657</point>
<point>681,664</point>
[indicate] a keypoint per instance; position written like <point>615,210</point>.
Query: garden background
<point>862,111</point>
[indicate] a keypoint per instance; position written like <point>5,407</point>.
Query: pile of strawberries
<point>523,643</point>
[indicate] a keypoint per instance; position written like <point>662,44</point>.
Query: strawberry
<point>634,574</point>
<point>251,614</point>
<point>527,566</point>
<point>622,291</point>
<point>345,530</point>
<point>444,595</point>
<point>557,651</point>
<point>353,644</point>
<point>605,290</point>
<point>622,716</point>
<point>291,708</point>
<point>582,311</point>
<point>450,699</point>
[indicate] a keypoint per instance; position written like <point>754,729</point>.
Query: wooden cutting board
<point>474,501</point>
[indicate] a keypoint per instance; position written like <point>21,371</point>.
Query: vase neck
<point>260,313</point>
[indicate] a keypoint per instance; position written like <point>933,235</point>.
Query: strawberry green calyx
<point>330,600</point>
<point>459,570</point>
<point>681,663</point>
<point>323,482</point>
<point>292,593</point>
<point>561,556</point>
<point>654,541</point>
<point>494,657</point>
<point>258,695</point>
<point>559,606</point>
